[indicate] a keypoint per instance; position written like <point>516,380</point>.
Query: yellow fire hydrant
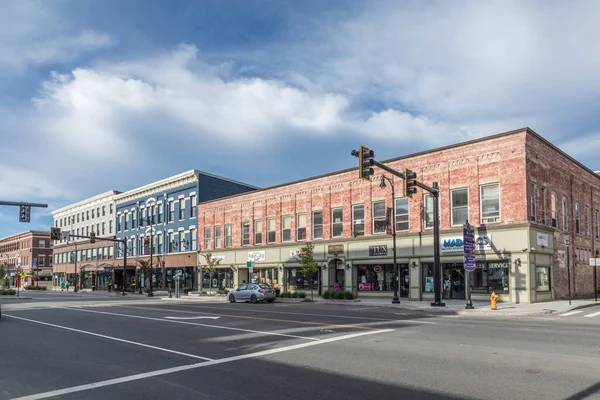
<point>493,299</point>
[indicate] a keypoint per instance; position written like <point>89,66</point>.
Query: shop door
<point>453,282</point>
<point>404,281</point>
<point>336,273</point>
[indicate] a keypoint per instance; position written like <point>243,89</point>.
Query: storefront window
<point>490,276</point>
<point>265,275</point>
<point>427,277</point>
<point>542,279</point>
<point>376,277</point>
<point>221,278</point>
<point>297,281</point>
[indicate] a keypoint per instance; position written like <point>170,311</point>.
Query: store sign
<point>366,286</point>
<point>256,256</point>
<point>335,249</point>
<point>456,244</point>
<point>378,250</point>
<point>295,253</point>
<point>542,239</point>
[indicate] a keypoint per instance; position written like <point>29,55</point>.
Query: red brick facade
<point>25,247</point>
<point>513,160</point>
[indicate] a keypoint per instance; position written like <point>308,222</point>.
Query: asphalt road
<point>172,350</point>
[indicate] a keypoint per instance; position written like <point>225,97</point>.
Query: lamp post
<point>74,261</point>
<point>568,243</point>
<point>395,299</point>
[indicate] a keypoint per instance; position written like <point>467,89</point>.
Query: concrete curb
<point>501,313</point>
<point>585,306</point>
<point>198,299</point>
<point>14,297</point>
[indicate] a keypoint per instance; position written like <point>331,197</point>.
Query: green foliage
<point>30,287</point>
<point>8,292</point>
<point>326,294</point>
<point>211,263</point>
<point>301,295</point>
<point>348,295</point>
<point>308,264</point>
<point>3,275</point>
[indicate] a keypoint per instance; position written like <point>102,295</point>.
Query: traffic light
<point>92,237</point>
<point>24,213</point>
<point>366,157</point>
<point>410,183</point>
<point>54,233</point>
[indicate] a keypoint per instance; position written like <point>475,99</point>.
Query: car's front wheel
<point>231,298</point>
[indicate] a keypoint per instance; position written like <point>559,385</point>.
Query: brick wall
<point>548,168</point>
<point>500,159</point>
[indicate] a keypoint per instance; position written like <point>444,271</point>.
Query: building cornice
<point>100,198</point>
<point>158,186</point>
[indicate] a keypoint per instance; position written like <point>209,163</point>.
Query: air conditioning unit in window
<point>490,220</point>
<point>359,221</point>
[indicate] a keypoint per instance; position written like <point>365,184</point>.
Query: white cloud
<point>34,33</point>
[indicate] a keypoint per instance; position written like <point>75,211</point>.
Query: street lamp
<point>396,299</point>
<point>150,221</point>
<point>74,258</point>
<point>568,243</point>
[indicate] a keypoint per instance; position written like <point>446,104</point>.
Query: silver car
<point>253,292</point>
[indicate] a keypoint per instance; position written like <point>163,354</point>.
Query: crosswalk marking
<point>592,315</point>
<point>570,313</point>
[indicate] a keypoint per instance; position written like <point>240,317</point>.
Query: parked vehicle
<point>253,292</point>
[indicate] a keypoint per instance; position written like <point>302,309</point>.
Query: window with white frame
<point>379,220</point>
<point>42,244</point>
<point>428,212</point>
<point>257,231</point>
<point>490,203</point>
<point>171,238</point>
<point>286,228</point>
<point>271,230</point>
<point>565,211</point>
<point>93,213</point>
<point>358,219</point>
<point>402,220</point>
<point>110,208</point>
<point>301,226</point>
<point>218,239</point>
<point>159,240</point>
<point>110,226</point>
<point>553,210</point>
<point>228,235</point>
<point>97,228</point>
<point>246,233</point>
<point>171,210</point>
<point>126,219</point>
<point>181,208</point>
<point>544,200</point>
<point>41,260</point>
<point>207,237</point>
<point>193,206</point>
<point>337,222</point>
<point>317,224</point>
<point>133,220</point>
<point>134,247</point>
<point>460,206</point>
<point>586,221</point>
<point>103,211</point>
<point>103,228</point>
<point>182,242</point>
<point>194,238</point>
<point>577,221</point>
<point>533,201</point>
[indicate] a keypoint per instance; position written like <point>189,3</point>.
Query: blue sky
<point>116,94</point>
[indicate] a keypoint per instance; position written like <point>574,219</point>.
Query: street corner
<point>487,312</point>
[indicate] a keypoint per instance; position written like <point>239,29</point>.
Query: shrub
<point>8,292</point>
<point>295,295</point>
<point>35,288</point>
<point>326,294</point>
<point>348,295</point>
<point>301,295</point>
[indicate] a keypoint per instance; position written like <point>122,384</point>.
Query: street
<point>157,349</point>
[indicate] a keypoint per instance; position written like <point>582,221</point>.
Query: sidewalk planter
<point>341,295</point>
<point>8,292</point>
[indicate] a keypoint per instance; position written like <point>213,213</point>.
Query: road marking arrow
<point>192,317</point>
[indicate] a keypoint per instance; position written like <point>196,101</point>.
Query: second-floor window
<point>428,214</point>
<point>109,226</point>
<point>586,221</point>
<point>379,220</point>
<point>544,200</point>
<point>258,231</point>
<point>207,237</point>
<point>490,203</point>
<point>301,227</point>
<point>245,233</point>
<point>553,210</point>
<point>103,227</point>
<point>171,239</point>
<point>317,223</point>
<point>286,228</point>
<point>171,211</point>
<point>134,219</point>
<point>597,224</point>
<point>218,242</point>
<point>577,221</point>
<point>182,242</point>
<point>533,201</point>
<point>358,219</point>
<point>159,215</point>
<point>460,206</point>
<point>337,222</point>
<point>271,230</point>
<point>402,220</point>
<point>193,206</point>
<point>565,211</point>
<point>194,238</point>
<point>228,235</point>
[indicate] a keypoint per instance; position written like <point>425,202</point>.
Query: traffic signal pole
<point>365,172</point>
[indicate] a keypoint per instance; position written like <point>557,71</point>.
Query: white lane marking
<point>362,308</point>
<point>192,317</point>
<point>111,338</point>
<point>145,375</point>
<point>401,313</point>
<point>592,315</point>
<point>570,313</point>
<point>192,323</point>
<point>295,313</point>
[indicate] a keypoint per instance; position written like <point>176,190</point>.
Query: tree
<point>308,264</point>
<point>33,275</point>
<point>211,263</point>
<point>3,276</point>
<point>82,278</point>
<point>145,268</point>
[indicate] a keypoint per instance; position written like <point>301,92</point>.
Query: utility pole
<point>367,160</point>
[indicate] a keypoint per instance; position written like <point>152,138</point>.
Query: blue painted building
<point>161,219</point>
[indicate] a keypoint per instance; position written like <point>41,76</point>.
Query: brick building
<point>524,196</point>
<point>24,252</point>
